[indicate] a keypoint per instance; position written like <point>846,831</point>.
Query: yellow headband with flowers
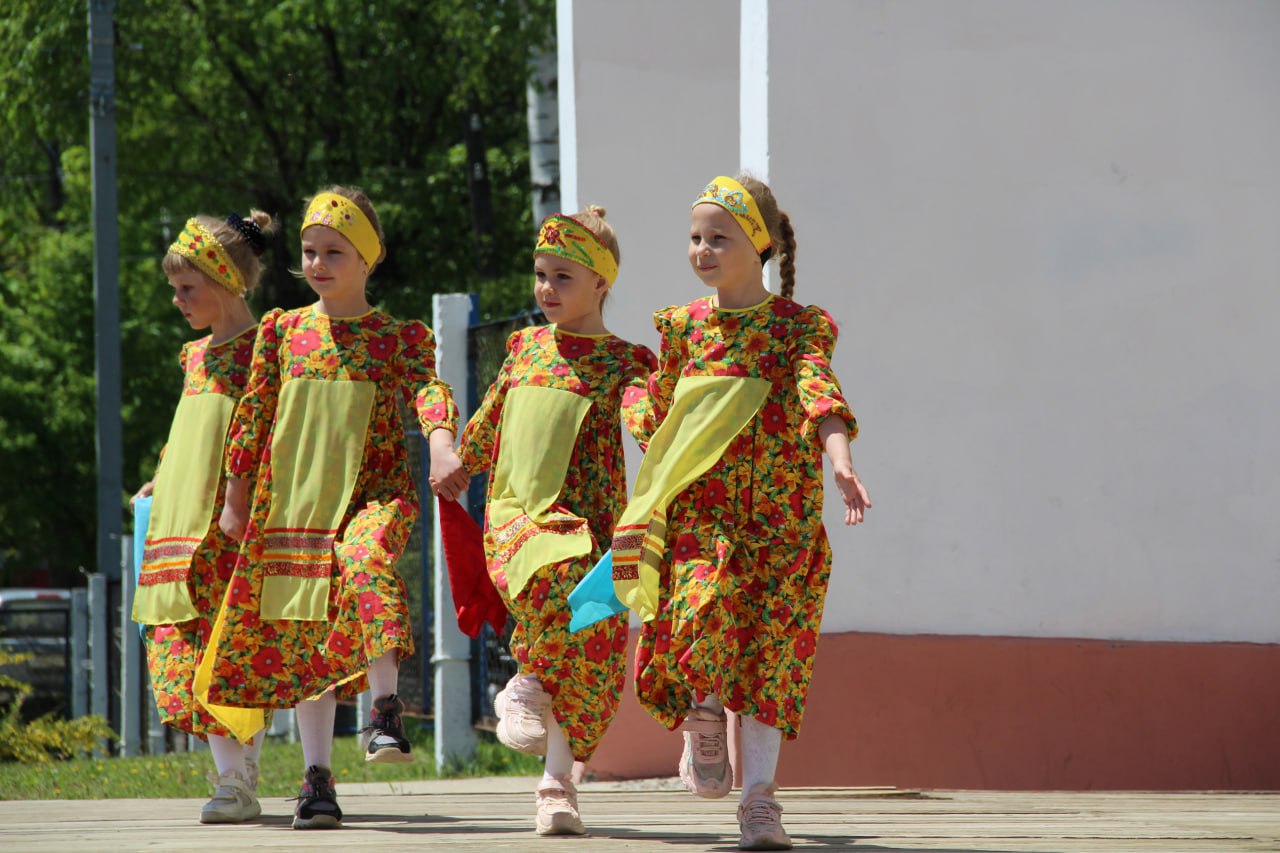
<point>566,237</point>
<point>344,216</point>
<point>733,197</point>
<point>198,245</point>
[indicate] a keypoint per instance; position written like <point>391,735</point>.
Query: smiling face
<point>332,266</point>
<point>201,301</point>
<point>720,252</point>
<point>567,292</point>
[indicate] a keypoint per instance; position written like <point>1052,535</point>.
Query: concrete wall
<point>1051,233</point>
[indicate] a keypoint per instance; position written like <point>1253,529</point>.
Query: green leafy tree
<point>224,107</point>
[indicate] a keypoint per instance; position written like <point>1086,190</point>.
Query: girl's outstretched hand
<point>856,499</point>
<point>235,509</point>
<point>448,478</point>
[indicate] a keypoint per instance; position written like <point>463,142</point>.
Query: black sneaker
<point>384,739</point>
<point>317,802</point>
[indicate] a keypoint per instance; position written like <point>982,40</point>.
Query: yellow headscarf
<point>566,237</point>
<point>343,215</point>
<point>198,245</point>
<point>733,197</point>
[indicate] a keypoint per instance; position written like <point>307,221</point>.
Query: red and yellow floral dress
<point>744,556</point>
<point>188,560</point>
<point>315,596</point>
<point>549,431</point>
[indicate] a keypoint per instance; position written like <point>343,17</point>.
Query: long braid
<point>787,255</point>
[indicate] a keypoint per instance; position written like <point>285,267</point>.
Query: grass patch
<point>183,774</point>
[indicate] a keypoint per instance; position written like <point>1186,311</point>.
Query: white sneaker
<point>522,707</point>
<point>234,801</point>
<point>558,809</point>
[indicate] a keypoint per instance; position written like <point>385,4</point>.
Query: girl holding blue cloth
<point>548,432</point>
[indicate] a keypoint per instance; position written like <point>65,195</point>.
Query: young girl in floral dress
<point>316,609</point>
<point>722,550</point>
<point>549,432</point>
<point>187,560</point>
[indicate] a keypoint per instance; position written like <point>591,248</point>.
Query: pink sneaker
<point>522,707</point>
<point>760,819</point>
<point>558,809</point>
<point>704,764</point>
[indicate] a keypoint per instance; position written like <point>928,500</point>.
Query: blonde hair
<point>244,254</point>
<point>592,218</point>
<point>780,231</point>
<point>357,197</point>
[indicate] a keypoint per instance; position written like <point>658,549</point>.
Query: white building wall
<point>1051,233</point>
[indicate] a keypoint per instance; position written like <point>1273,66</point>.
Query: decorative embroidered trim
<point>566,237</point>
<point>159,576</point>
<point>198,245</point>
<point>296,570</point>
<point>511,537</point>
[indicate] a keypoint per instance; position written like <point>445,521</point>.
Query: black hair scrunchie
<point>250,231</point>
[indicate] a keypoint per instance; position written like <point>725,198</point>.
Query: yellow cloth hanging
<point>317,445</point>
<point>539,430</point>
<point>707,413</point>
<point>185,495</point>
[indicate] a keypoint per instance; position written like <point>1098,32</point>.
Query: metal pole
<point>99,637</point>
<point>79,653</point>
<point>106,281</point>
<point>455,735</point>
<point>132,669</point>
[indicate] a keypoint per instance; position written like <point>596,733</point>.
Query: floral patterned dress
<point>174,650</point>
<point>747,558</point>
<point>583,672</point>
<point>276,662</point>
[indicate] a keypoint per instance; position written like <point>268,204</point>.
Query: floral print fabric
<point>277,663</point>
<point>583,672</point>
<point>747,557</point>
<point>174,651</point>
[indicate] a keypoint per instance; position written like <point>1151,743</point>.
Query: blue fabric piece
<point>141,518</point>
<point>593,598</point>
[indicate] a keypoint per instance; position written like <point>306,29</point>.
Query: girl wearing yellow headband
<point>187,559</point>
<point>548,431</point>
<point>722,548</point>
<point>316,609</point>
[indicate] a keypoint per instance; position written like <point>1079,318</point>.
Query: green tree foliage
<point>45,738</point>
<point>222,107</point>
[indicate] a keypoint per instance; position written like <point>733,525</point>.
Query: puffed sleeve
<point>637,409</point>
<point>480,437</point>
<point>256,410</point>
<point>820,393</point>
<point>648,411</point>
<point>430,396</point>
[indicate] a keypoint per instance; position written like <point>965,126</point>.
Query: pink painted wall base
<point>1013,713</point>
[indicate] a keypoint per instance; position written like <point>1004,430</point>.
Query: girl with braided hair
<point>187,560</point>
<point>722,550</point>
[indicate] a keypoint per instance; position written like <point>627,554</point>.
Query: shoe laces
<point>763,811</point>
<point>708,748</point>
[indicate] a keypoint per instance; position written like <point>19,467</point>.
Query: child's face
<point>331,264</point>
<point>719,251</point>
<point>567,293</point>
<point>200,300</point>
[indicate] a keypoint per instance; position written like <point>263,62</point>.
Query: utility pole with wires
<point>106,283</point>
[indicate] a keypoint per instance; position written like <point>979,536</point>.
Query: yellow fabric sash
<point>539,427</point>
<point>317,446</point>
<point>706,414</point>
<point>186,493</point>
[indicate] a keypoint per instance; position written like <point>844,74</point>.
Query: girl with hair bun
<point>549,433</point>
<point>187,560</point>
